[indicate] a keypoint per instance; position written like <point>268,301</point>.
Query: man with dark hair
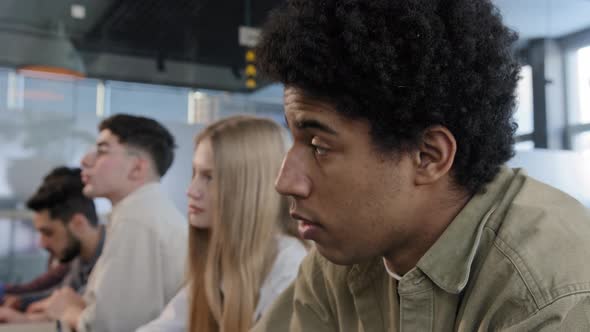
<point>145,134</point>
<point>142,265</point>
<point>68,224</point>
<point>401,113</point>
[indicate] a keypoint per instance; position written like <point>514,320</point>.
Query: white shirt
<point>390,272</point>
<point>284,270</point>
<point>141,266</point>
<point>174,317</point>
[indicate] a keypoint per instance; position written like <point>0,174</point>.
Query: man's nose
<point>88,159</point>
<point>292,179</point>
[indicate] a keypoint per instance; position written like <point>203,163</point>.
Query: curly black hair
<point>404,66</point>
<point>145,134</point>
<point>61,194</point>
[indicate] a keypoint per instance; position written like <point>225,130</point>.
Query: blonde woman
<point>241,256</point>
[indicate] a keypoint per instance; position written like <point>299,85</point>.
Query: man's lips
<point>304,220</point>
<point>309,230</point>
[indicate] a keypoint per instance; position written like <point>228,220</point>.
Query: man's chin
<point>67,259</point>
<point>337,257</point>
<point>89,191</point>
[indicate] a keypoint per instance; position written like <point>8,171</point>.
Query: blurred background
<point>65,65</point>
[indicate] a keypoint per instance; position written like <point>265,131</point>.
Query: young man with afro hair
<point>401,114</point>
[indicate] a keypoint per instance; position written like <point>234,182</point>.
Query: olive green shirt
<point>514,259</point>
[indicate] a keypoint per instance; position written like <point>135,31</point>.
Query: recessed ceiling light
<point>78,11</point>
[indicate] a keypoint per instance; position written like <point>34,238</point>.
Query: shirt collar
<point>448,262</point>
<point>136,199</point>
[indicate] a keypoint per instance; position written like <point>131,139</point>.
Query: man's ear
<point>140,168</point>
<point>435,155</point>
<point>77,224</point>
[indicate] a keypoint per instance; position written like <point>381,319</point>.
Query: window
<point>163,103</point>
<point>524,98</point>
<point>583,75</point>
<point>4,89</point>
<point>578,69</point>
<point>523,116</point>
<point>524,145</point>
<point>581,141</point>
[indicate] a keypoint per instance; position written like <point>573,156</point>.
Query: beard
<point>72,249</point>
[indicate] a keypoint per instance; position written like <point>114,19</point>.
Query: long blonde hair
<point>229,262</point>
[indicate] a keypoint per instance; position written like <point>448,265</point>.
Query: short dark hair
<point>145,134</point>
<point>61,194</point>
<point>405,65</point>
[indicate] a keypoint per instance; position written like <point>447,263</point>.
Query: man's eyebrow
<point>315,124</point>
<point>102,144</point>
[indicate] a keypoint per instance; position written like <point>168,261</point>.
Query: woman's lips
<point>195,210</point>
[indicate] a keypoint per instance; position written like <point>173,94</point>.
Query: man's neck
<point>429,227</point>
<point>89,244</point>
<point>116,198</point>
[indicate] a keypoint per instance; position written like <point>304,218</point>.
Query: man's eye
<point>318,150</point>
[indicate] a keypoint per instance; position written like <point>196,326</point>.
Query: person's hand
<point>12,301</point>
<point>71,316</point>
<point>38,307</point>
<point>61,300</point>
<point>9,315</point>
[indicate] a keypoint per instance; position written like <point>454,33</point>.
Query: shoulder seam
<point>524,274</point>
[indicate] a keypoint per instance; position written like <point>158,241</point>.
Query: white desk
<point>36,327</point>
<point>568,171</point>
<point>14,214</point>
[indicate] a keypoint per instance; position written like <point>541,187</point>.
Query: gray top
<point>77,277</point>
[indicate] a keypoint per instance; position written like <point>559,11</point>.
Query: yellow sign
<point>250,56</point>
<point>251,70</point>
<point>250,83</point>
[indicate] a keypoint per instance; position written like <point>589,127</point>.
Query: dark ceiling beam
<point>111,66</point>
<point>140,69</point>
